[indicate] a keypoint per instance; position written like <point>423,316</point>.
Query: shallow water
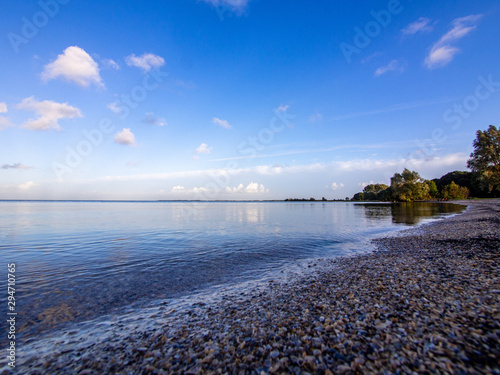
<point>80,260</point>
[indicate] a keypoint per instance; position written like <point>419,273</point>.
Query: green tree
<point>433,190</point>
<point>454,191</point>
<point>485,159</point>
<point>371,192</point>
<point>409,186</point>
<point>358,197</point>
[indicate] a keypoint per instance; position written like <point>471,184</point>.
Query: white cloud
<point>4,121</point>
<point>114,107</point>
<point>238,189</point>
<point>110,63</point>
<point>440,56</point>
<point>74,65</point>
<point>146,61</point>
<point>189,85</point>
<point>26,186</point>
<point>222,123</point>
<point>178,188</point>
<point>420,25</point>
<point>282,108</point>
<point>49,113</point>
<point>443,52</point>
<point>235,5</point>
<point>152,120</point>
<point>397,65</point>
<point>336,186</point>
<point>203,149</point>
<point>255,188</point>
<point>316,117</point>
<point>362,185</point>
<point>125,137</point>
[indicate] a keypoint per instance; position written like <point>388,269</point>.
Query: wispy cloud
<point>238,6</point>
<point>49,113</point>
<point>203,149</point>
<point>337,186</point>
<point>457,160</point>
<point>251,188</point>
<point>222,123</point>
<point>125,137</point>
<point>420,25</point>
<point>362,185</point>
<point>188,85</point>
<point>4,121</point>
<point>146,61</point>
<point>399,144</point>
<point>443,51</point>
<point>266,170</point>
<point>369,58</point>
<point>316,117</point>
<point>26,186</point>
<point>15,166</point>
<point>282,108</point>
<point>397,65</point>
<point>114,107</point>
<point>395,108</point>
<point>74,65</point>
<point>454,161</point>
<point>110,63</point>
<point>151,119</point>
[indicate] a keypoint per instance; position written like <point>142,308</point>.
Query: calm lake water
<point>79,260</point>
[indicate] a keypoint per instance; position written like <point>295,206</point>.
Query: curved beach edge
<point>425,301</point>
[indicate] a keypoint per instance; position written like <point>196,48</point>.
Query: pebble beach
<point>427,301</point>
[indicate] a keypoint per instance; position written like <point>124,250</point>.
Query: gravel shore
<point>427,301</point>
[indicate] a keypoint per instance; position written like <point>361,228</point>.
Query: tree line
<point>482,182</point>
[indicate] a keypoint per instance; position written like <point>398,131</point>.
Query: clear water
<point>78,260</point>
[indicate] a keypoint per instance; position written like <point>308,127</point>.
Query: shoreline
<point>428,299</point>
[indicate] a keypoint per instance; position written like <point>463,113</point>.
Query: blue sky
<point>239,99</point>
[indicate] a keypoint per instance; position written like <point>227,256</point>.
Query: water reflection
<point>408,213</point>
